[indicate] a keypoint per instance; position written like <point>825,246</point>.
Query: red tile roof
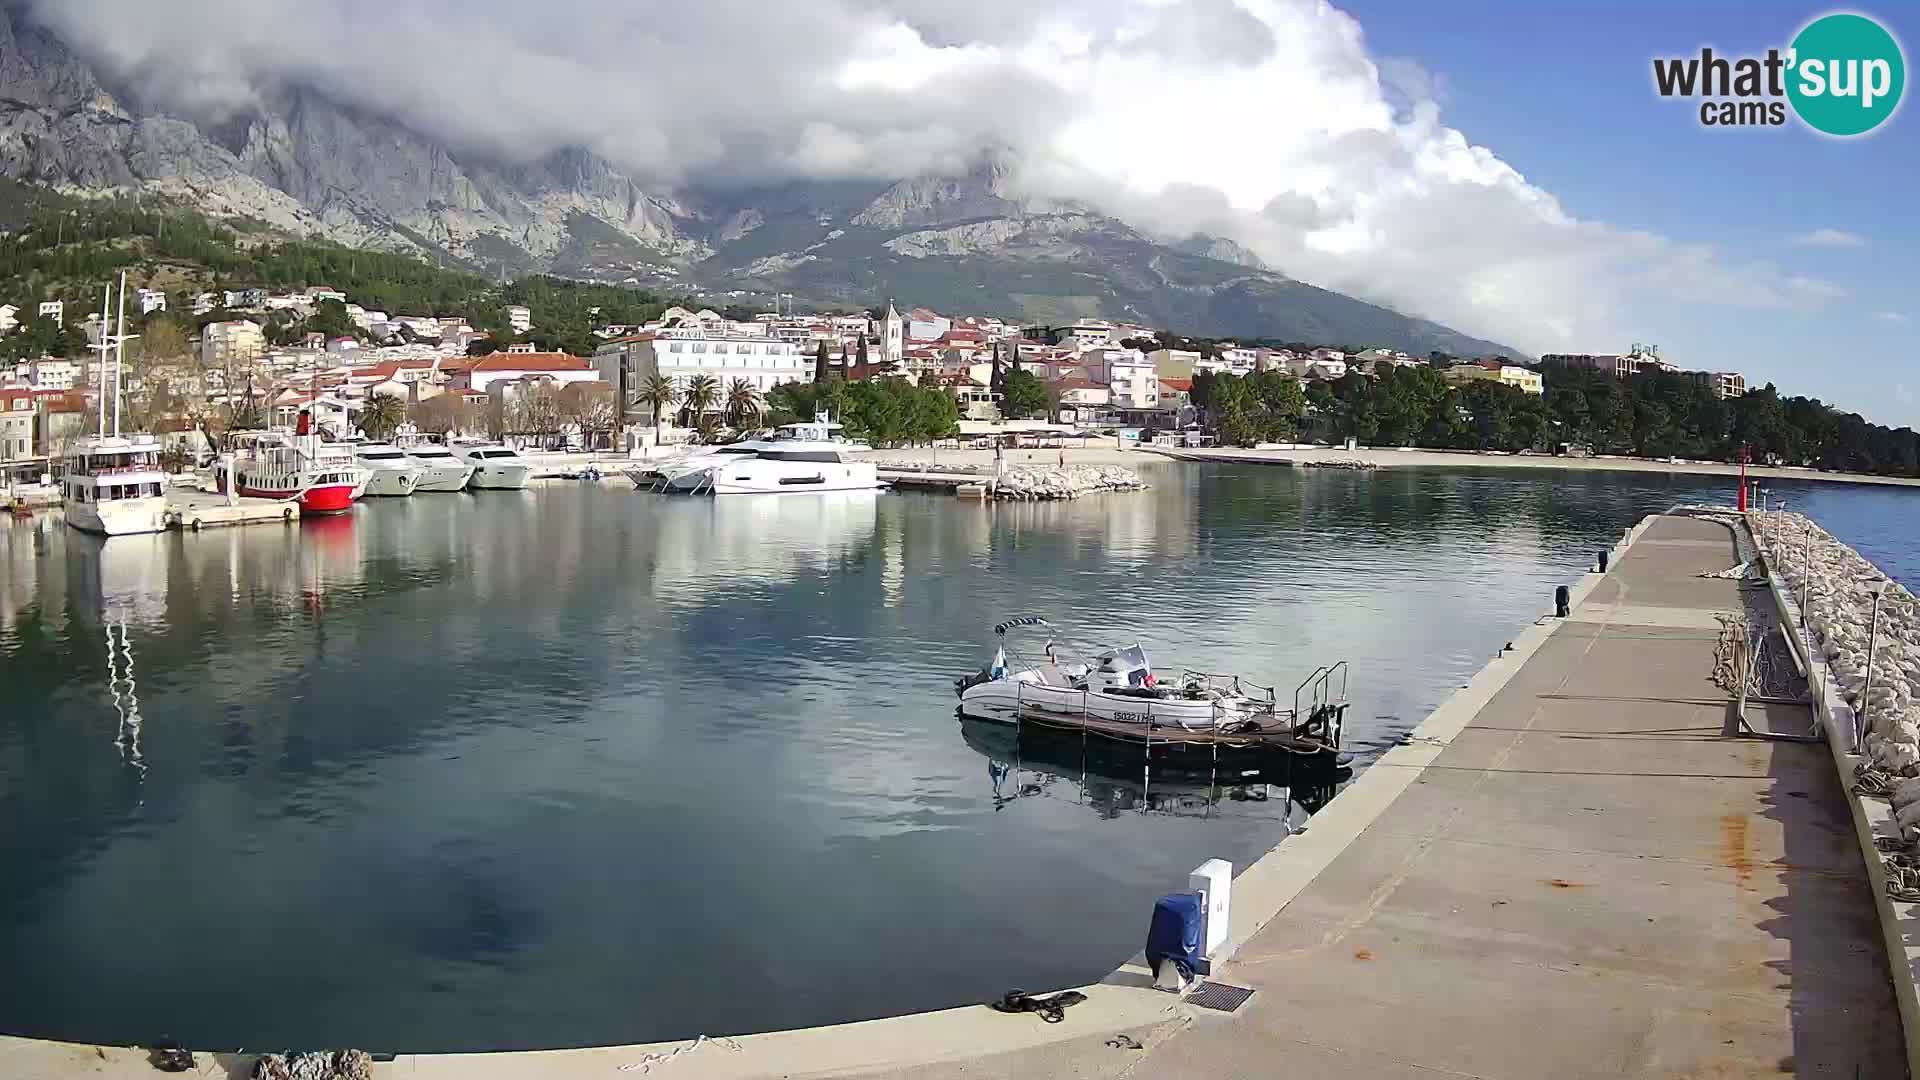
<point>1178,384</point>
<point>538,361</point>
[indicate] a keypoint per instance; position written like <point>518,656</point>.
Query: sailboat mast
<point>119,353</point>
<point>106,305</point>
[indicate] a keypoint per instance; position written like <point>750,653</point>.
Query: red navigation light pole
<point>1743,478</point>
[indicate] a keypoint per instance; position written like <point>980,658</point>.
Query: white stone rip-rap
<point>1832,579</point>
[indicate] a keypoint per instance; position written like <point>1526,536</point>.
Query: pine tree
<point>998,382</point>
<point>820,364</point>
<point>860,357</point>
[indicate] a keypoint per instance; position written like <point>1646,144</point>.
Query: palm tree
<point>707,428</point>
<point>659,394</point>
<point>703,393</point>
<point>743,401</point>
<point>381,416</point>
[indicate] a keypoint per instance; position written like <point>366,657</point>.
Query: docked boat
<point>495,468</point>
<point>113,485</point>
<point>321,477</point>
<point>390,470</point>
<point>1117,694</point>
<point>440,469</point>
<point>806,457</point>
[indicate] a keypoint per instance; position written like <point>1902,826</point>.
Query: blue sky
<point>1563,93</point>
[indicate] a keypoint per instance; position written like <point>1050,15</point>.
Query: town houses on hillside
<point>1092,372</point>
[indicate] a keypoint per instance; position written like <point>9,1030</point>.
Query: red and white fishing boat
<point>322,477</point>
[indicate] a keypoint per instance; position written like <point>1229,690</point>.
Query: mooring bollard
<point>1562,601</point>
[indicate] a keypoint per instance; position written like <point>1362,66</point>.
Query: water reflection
<point>456,760</point>
<point>1111,778</point>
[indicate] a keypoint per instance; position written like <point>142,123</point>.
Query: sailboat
<point>111,482</point>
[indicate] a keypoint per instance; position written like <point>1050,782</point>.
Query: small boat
<point>390,470</point>
<point>495,468</point>
<point>440,468</point>
<point>1116,693</point>
<point>113,485</point>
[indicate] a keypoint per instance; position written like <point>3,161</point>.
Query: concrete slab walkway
<point>1594,879</point>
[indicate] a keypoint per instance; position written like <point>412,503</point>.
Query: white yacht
<point>799,458</point>
<point>113,485</point>
<point>440,469</point>
<point>495,467</point>
<point>390,470</point>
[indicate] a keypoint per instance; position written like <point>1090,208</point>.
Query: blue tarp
<point>1174,933</point>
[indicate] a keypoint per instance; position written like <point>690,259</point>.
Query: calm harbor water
<point>577,765</point>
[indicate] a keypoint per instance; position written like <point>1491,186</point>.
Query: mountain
<point>309,165</point>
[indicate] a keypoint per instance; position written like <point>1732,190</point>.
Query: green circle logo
<point>1846,75</point>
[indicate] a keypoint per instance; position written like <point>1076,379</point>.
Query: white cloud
<point>1890,316</point>
<point>1266,121</point>
<point>1830,238</point>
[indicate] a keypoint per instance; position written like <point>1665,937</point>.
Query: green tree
<point>820,363</point>
<point>743,401</point>
<point>381,415</point>
<point>659,394</point>
<point>702,394</point>
<point>1026,397</point>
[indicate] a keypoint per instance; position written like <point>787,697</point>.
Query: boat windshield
<point>493,453</point>
<point>383,455</point>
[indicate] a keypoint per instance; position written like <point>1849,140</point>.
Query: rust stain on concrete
<point>1733,847</point>
<point>1563,883</point>
<point>1363,954</point>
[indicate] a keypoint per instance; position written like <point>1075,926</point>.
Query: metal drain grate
<point>1219,996</point>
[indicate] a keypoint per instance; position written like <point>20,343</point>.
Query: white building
<point>203,303</point>
<point>16,424</point>
<point>926,324</point>
<point>507,366</point>
<point>893,336</point>
<point>239,341</point>
<point>1314,367</point>
<point>519,318</point>
<point>55,310</point>
<point>681,354</point>
<point>9,318</point>
<point>1127,374</point>
<point>1088,334</point>
<point>152,300</point>
<point>53,373</point>
<point>317,293</point>
<point>357,315</point>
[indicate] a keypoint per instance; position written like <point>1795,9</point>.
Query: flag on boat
<point>998,669</point>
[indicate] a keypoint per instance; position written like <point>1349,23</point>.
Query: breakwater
<point>1836,585</point>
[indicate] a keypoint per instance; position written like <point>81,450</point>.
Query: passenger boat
<point>113,485</point>
<point>1116,693</point>
<point>805,457</point>
<point>495,468</point>
<point>321,477</point>
<point>390,470</point>
<point>440,469</point>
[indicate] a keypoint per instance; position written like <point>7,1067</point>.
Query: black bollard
<point>1560,601</point>
<point>1603,562</point>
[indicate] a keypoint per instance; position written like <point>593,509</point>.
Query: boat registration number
<point>1133,717</point>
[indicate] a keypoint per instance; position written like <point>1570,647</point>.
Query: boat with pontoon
<point>1116,693</point>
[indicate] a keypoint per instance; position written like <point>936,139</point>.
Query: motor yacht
<point>804,457</point>
<point>440,468</point>
<point>390,470</point>
<point>113,485</point>
<point>495,467</point>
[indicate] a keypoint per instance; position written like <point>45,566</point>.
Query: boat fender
<point>287,514</point>
<point>1561,601</point>
<point>194,524</point>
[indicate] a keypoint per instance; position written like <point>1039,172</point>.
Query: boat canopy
<point>1023,620</point>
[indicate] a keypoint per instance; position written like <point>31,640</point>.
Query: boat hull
<point>392,482</point>
<point>314,501</point>
<point>443,478</point>
<point>120,517</point>
<point>488,477</point>
<point>766,477</point>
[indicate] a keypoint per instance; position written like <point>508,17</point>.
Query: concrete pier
<point>1573,868</point>
<point>193,510</point>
